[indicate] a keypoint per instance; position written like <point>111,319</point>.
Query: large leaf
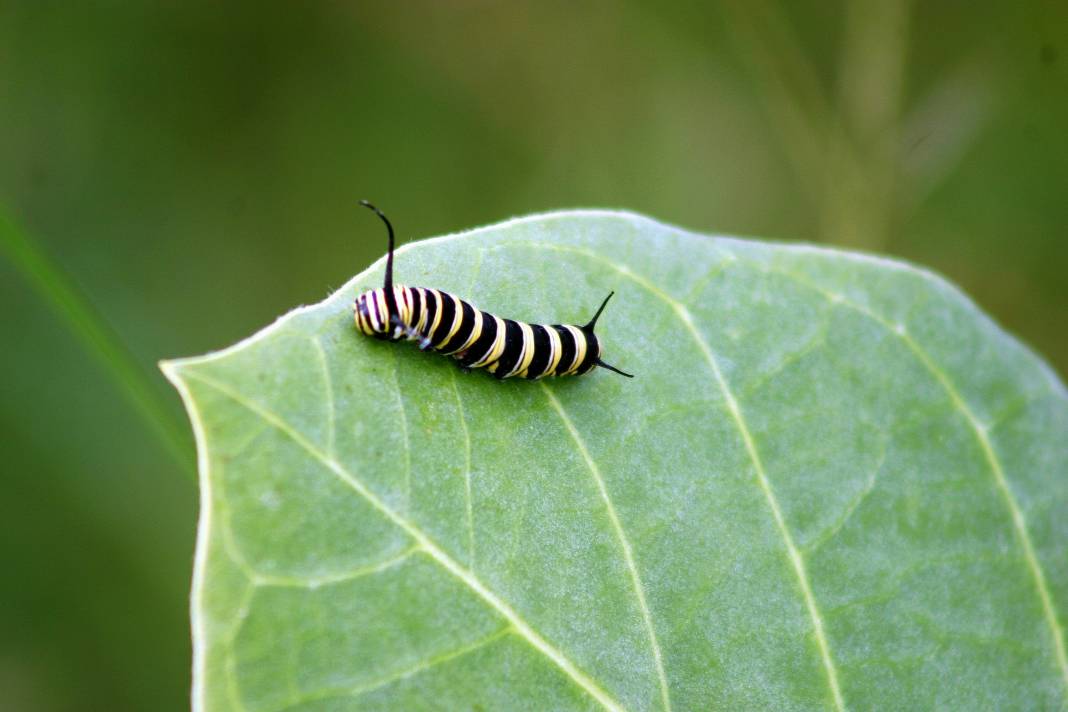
<point>833,484</point>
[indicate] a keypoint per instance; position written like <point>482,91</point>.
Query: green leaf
<point>833,483</point>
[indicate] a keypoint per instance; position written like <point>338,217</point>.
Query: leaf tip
<point>172,371</point>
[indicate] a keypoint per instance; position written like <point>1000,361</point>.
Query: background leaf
<point>833,483</point>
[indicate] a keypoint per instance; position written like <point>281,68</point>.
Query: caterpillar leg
<point>461,363</point>
<point>409,333</point>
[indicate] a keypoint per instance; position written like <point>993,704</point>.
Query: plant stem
<point>99,340</point>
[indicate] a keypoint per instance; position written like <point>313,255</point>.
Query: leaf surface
<point>833,484</point>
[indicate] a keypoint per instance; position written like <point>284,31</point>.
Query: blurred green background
<point>192,168</point>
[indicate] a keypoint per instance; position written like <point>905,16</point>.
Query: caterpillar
<point>477,339</point>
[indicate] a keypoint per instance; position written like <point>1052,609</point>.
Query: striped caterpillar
<point>477,339</point>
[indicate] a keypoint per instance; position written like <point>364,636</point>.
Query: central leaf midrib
<point>522,628</point>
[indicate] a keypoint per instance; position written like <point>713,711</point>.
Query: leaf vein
<point>628,554</point>
<point>417,668</point>
<point>405,437</point>
<point>433,662</point>
<point>328,386</point>
<point>233,689</point>
<point>858,499</point>
<point>982,437</point>
<point>313,582</point>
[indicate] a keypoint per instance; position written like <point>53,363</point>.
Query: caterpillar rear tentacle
<point>476,339</point>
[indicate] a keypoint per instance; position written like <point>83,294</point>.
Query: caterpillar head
<point>372,317</point>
